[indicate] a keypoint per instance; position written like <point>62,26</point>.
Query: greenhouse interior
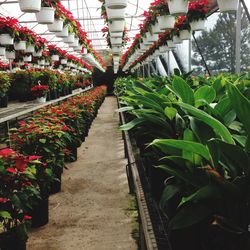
<point>124,124</point>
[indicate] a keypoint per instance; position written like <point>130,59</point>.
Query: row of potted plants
<point>18,85</point>
<point>32,169</point>
<point>193,138</point>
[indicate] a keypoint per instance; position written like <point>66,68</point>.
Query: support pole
<point>168,54</point>
<point>189,55</point>
<point>238,41</point>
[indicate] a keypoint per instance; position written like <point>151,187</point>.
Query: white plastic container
<point>20,45</point>
<point>10,54</point>
<point>27,58</point>
<point>6,39</point>
<point>228,5</point>
<point>41,62</point>
<point>116,34</point>
<point>166,22</point>
<point>57,26</point>
<point>64,61</point>
<point>115,14</point>
<point>41,99</point>
<point>116,26</point>
<point>38,54</point>
<point>116,50</point>
<point>30,6</point>
<point>69,39</point>
<point>63,33</point>
<point>171,44</point>
<point>116,4</point>
<point>178,7</point>
<point>116,41</point>
<point>185,35</point>
<point>55,58</point>
<point>2,51</point>
<point>198,25</point>
<point>30,49</point>
<point>177,40</point>
<point>46,15</point>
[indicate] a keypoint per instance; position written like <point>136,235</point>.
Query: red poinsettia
<point>40,90</point>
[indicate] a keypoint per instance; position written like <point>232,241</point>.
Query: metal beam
<point>238,40</point>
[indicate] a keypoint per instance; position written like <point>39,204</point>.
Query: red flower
<point>4,200</point>
<point>12,170</point>
<point>27,217</point>
<point>7,152</point>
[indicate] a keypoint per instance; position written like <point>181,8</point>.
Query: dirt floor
<point>89,212</point>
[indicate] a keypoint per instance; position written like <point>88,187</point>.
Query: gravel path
<point>89,212</point>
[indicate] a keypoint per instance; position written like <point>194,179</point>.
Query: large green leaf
<point>241,106</point>
<point>204,95</point>
<point>218,127</point>
<point>194,147</point>
<point>131,124</point>
<point>183,90</point>
<point>169,192</point>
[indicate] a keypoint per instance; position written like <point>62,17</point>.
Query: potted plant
<point>40,92</point>
<point>8,26</point>
<point>58,24</point>
<point>10,52</point>
<point>116,26</point>
<point>18,191</point>
<point>47,13</point>
<point>196,15</point>
<point>30,6</point>
<point>115,4</point>
<point>178,7</point>
<point>4,87</point>
<point>2,51</point>
<point>228,5</point>
<point>183,27</point>
<point>21,37</point>
<point>115,14</point>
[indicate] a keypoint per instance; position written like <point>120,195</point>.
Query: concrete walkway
<point>89,212</point>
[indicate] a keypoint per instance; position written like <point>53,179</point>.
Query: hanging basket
<point>55,58</point>
<point>6,39</point>
<point>41,99</point>
<point>78,48</point>
<point>84,51</point>
<point>2,51</point>
<point>185,35</point>
<point>69,39</point>
<point>156,29</point>
<point>57,26</point>
<point>116,50</point>
<point>46,15</point>
<point>115,14</point>
<point>171,44</point>
<point>38,54</point>
<point>75,43</point>
<point>64,61</point>
<point>63,33</point>
<point>198,25</point>
<point>20,45</point>
<point>178,7</point>
<point>177,40</point>
<point>228,5</point>
<point>151,38</point>
<point>116,4</point>
<point>116,26</point>
<point>116,41</point>
<point>166,22</point>
<point>116,34</point>
<point>27,58</point>
<point>10,55</point>
<point>41,62</point>
<point>30,49</point>
<point>30,6</point>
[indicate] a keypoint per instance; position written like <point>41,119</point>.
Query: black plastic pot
<point>48,96</point>
<point>13,239</point>
<point>73,156</point>
<point>53,94</point>
<point>56,184</point>
<point>40,213</point>
<point>4,102</point>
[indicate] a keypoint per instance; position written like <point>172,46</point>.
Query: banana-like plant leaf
<point>183,90</point>
<point>169,192</point>
<point>218,127</point>
<point>170,112</point>
<point>123,109</point>
<point>204,95</point>
<point>131,124</point>
<point>194,147</point>
<point>241,106</point>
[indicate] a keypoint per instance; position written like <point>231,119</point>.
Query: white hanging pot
<point>64,61</point>
<point>116,4</point>
<point>20,45</point>
<point>84,51</point>
<point>27,58</point>
<point>6,39</point>
<point>46,15</point>
<point>30,6</point>
<point>69,39</point>
<point>198,25</point>
<point>63,33</point>
<point>55,58</point>
<point>41,99</point>
<point>116,41</point>
<point>178,7</point>
<point>10,54</point>
<point>151,38</point>
<point>30,49</point>
<point>166,22</point>
<point>156,29</point>
<point>41,62</point>
<point>116,34</point>
<point>115,14</point>
<point>177,39</point>
<point>116,26</point>
<point>38,53</point>
<point>78,48</point>
<point>116,50</point>
<point>228,5</point>
<point>75,43</point>
<point>146,42</point>
<point>185,35</point>
<point>57,26</point>
<point>170,44</point>
<point>2,51</point>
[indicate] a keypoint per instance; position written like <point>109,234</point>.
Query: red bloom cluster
<point>40,90</point>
